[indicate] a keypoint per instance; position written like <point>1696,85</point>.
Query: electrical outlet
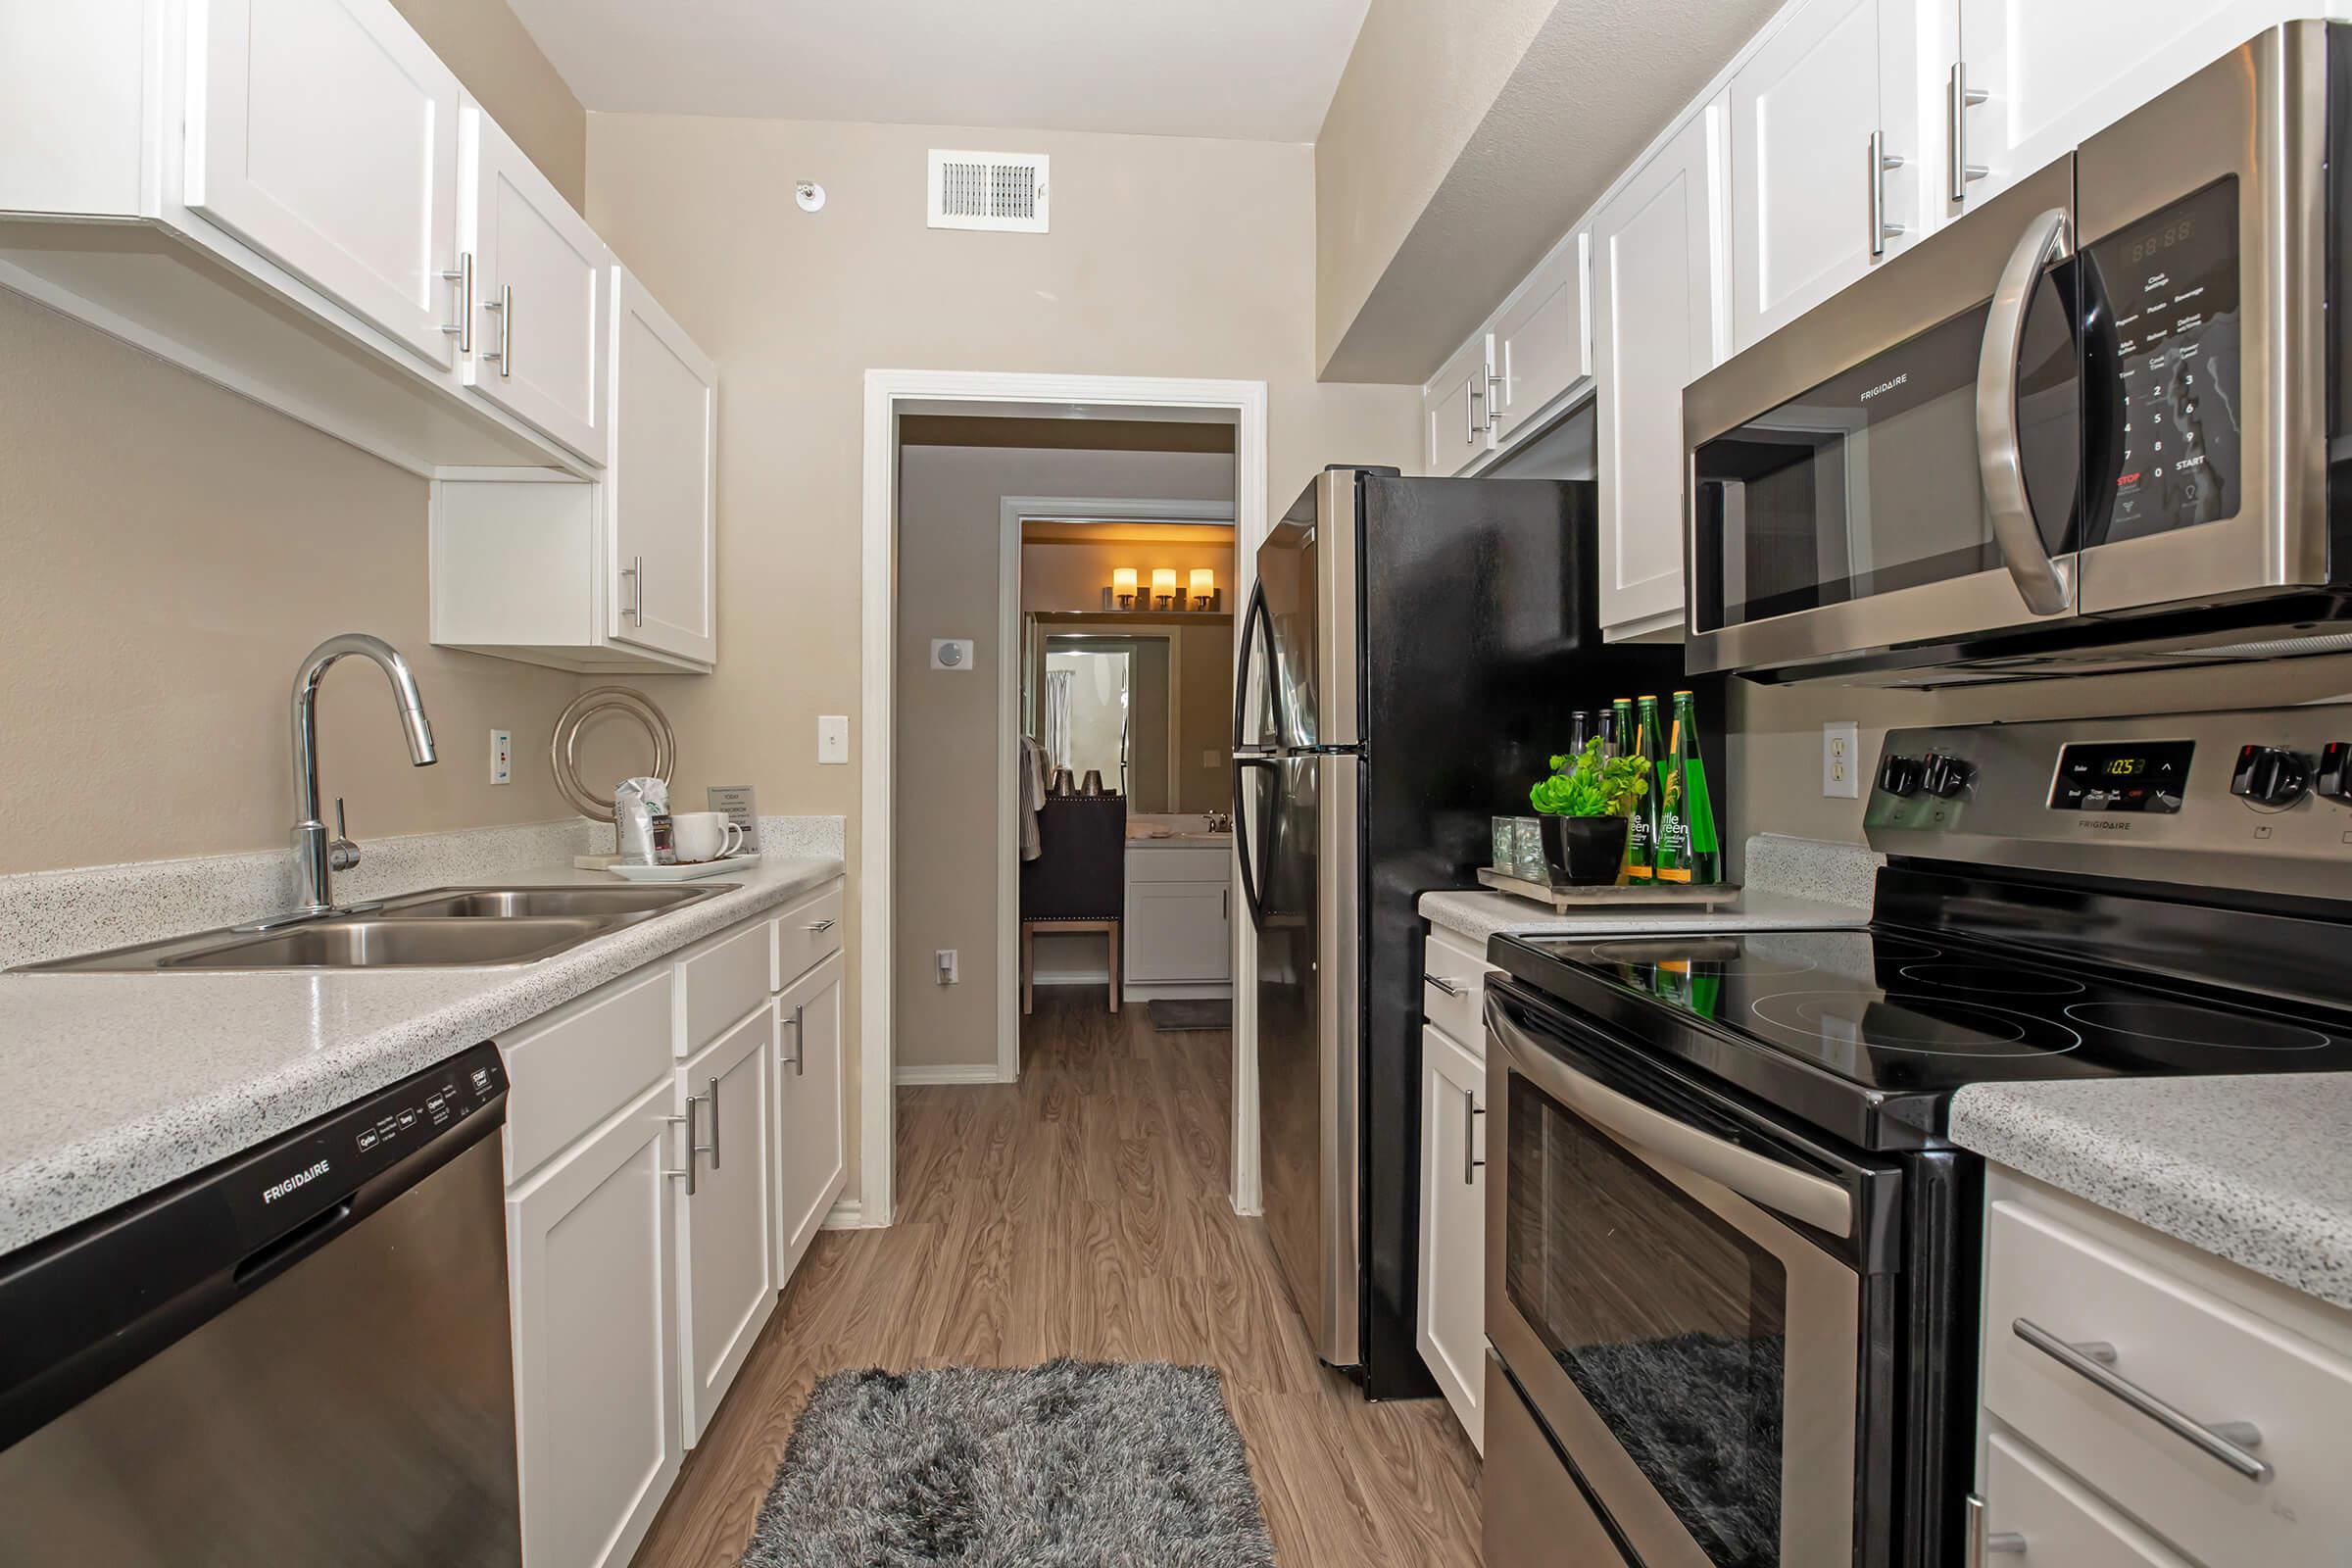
<point>833,738</point>
<point>1841,760</point>
<point>502,756</point>
<point>946,967</point>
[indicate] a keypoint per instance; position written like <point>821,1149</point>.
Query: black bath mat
<point>1072,1464</point>
<point>1175,1015</point>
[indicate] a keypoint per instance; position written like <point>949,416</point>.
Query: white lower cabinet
<point>726,1251</point>
<point>592,1263</point>
<point>810,1162</point>
<point>1453,1315</point>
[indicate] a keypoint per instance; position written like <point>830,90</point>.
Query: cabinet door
<point>2051,74</point>
<point>540,281</point>
<point>810,1168</point>
<point>1178,932</point>
<point>324,133</point>
<point>1657,324</point>
<point>726,1236</point>
<point>661,481</point>
<point>1804,192</point>
<point>592,1267</point>
<point>1454,409</point>
<point>1453,1226</point>
<point>1543,344</point>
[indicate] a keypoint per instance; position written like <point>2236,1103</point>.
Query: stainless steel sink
<point>512,904</point>
<point>456,928</point>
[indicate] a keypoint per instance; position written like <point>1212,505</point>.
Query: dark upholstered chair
<point>1078,883</point>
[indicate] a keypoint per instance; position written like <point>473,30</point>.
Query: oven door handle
<point>1816,1200</point>
<point>2043,583</point>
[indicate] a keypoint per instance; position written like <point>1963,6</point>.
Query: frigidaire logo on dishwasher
<point>301,1178</point>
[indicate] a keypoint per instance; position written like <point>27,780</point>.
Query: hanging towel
<point>1032,797</point>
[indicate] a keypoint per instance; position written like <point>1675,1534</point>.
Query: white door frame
<point>886,392</point>
<point>1011,657</point>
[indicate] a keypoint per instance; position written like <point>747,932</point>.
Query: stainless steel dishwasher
<point>298,1356</point>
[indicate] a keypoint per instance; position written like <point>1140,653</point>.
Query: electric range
<point>1734,1260</point>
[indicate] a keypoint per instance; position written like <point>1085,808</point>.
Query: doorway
<point>890,647</point>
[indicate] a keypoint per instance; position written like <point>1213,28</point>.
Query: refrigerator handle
<point>1253,624</point>
<point>1242,846</point>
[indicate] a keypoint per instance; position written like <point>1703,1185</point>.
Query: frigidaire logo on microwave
<point>300,1179</point>
<point>1884,386</point>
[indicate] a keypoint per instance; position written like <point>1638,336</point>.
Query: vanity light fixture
<point>1163,587</point>
<point>1122,586</point>
<point>1204,587</point>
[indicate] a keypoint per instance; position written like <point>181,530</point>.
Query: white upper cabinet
<point>324,134</point>
<point>1658,323</point>
<point>1454,407</point>
<point>2052,74</point>
<point>660,484</point>
<point>1829,172</point>
<point>540,281</point>
<point>1544,340</point>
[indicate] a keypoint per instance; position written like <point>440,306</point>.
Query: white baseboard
<point>846,1214</point>
<point>981,1073</point>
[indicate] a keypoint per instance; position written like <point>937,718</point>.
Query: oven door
<point>1682,1290</point>
<point>1903,467</point>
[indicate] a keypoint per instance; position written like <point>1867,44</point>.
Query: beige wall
<point>949,835</point>
<point>173,551</point>
<point>1776,730</point>
<point>1168,257</point>
<point>1422,76</point>
<point>484,42</point>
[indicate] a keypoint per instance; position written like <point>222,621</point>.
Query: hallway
<point>1083,1213</point>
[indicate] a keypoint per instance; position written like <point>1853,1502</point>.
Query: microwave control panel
<point>2171,285</point>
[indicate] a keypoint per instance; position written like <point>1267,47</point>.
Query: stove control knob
<point>2269,776</point>
<point>1899,775</point>
<point>2334,780</point>
<point>1946,775</point>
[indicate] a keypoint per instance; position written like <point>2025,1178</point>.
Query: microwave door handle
<point>1814,1199</point>
<point>2042,582</point>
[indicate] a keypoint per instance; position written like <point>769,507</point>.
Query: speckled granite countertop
<point>112,1084</point>
<point>1791,884</point>
<point>2256,1169</point>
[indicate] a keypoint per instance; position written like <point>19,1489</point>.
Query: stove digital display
<point>2122,776</point>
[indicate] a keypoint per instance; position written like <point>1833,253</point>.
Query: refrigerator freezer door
<point>1256,714</point>
<point>1306,1045</point>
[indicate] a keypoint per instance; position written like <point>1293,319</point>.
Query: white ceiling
<point>1244,70</point>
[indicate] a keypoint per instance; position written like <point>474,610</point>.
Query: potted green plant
<point>1585,806</point>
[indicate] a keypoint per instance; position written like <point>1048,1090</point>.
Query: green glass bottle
<point>1642,836</point>
<point>1621,727</point>
<point>1687,848</point>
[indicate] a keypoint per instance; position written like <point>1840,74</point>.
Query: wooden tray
<point>1666,895</point>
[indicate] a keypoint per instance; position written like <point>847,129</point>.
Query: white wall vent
<point>989,190</point>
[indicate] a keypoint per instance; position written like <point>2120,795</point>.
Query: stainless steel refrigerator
<point>1409,658</point>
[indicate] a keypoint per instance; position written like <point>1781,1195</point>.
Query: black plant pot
<point>1583,851</point>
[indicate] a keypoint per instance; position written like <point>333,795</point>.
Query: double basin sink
<point>439,928</point>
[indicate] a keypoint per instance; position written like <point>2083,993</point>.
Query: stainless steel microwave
<point>2103,422</point>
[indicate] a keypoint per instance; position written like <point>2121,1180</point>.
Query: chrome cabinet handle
<point>637,591</point>
<point>1493,403</point>
<point>822,926</point>
<point>1470,1114</point>
<point>2046,584</point>
<point>1814,1199</point>
<point>692,1149</point>
<point>800,1040</point>
<point>1472,425</point>
<point>714,1123</point>
<point>1880,161</point>
<point>504,305</point>
<point>1959,99</point>
<point>1442,983</point>
<point>1225,903</point>
<point>463,275</point>
<point>1982,1543</point>
<point>2222,1440</point>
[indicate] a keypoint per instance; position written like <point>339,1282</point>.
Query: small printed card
<point>742,808</point>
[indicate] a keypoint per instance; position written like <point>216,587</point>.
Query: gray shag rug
<point>1073,1464</point>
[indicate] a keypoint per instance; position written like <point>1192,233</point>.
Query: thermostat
<point>950,653</point>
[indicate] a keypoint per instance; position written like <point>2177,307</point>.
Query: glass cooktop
<point>1889,1010</point>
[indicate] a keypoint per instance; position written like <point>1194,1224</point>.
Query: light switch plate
<point>833,738</point>
<point>950,653</point>
<point>1841,760</point>
<point>502,756</point>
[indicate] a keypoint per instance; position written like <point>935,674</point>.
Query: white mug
<point>705,835</point>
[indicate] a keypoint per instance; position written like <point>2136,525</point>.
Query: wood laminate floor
<point>1082,1212</point>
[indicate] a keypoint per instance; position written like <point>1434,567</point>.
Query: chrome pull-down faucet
<point>316,855</point>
